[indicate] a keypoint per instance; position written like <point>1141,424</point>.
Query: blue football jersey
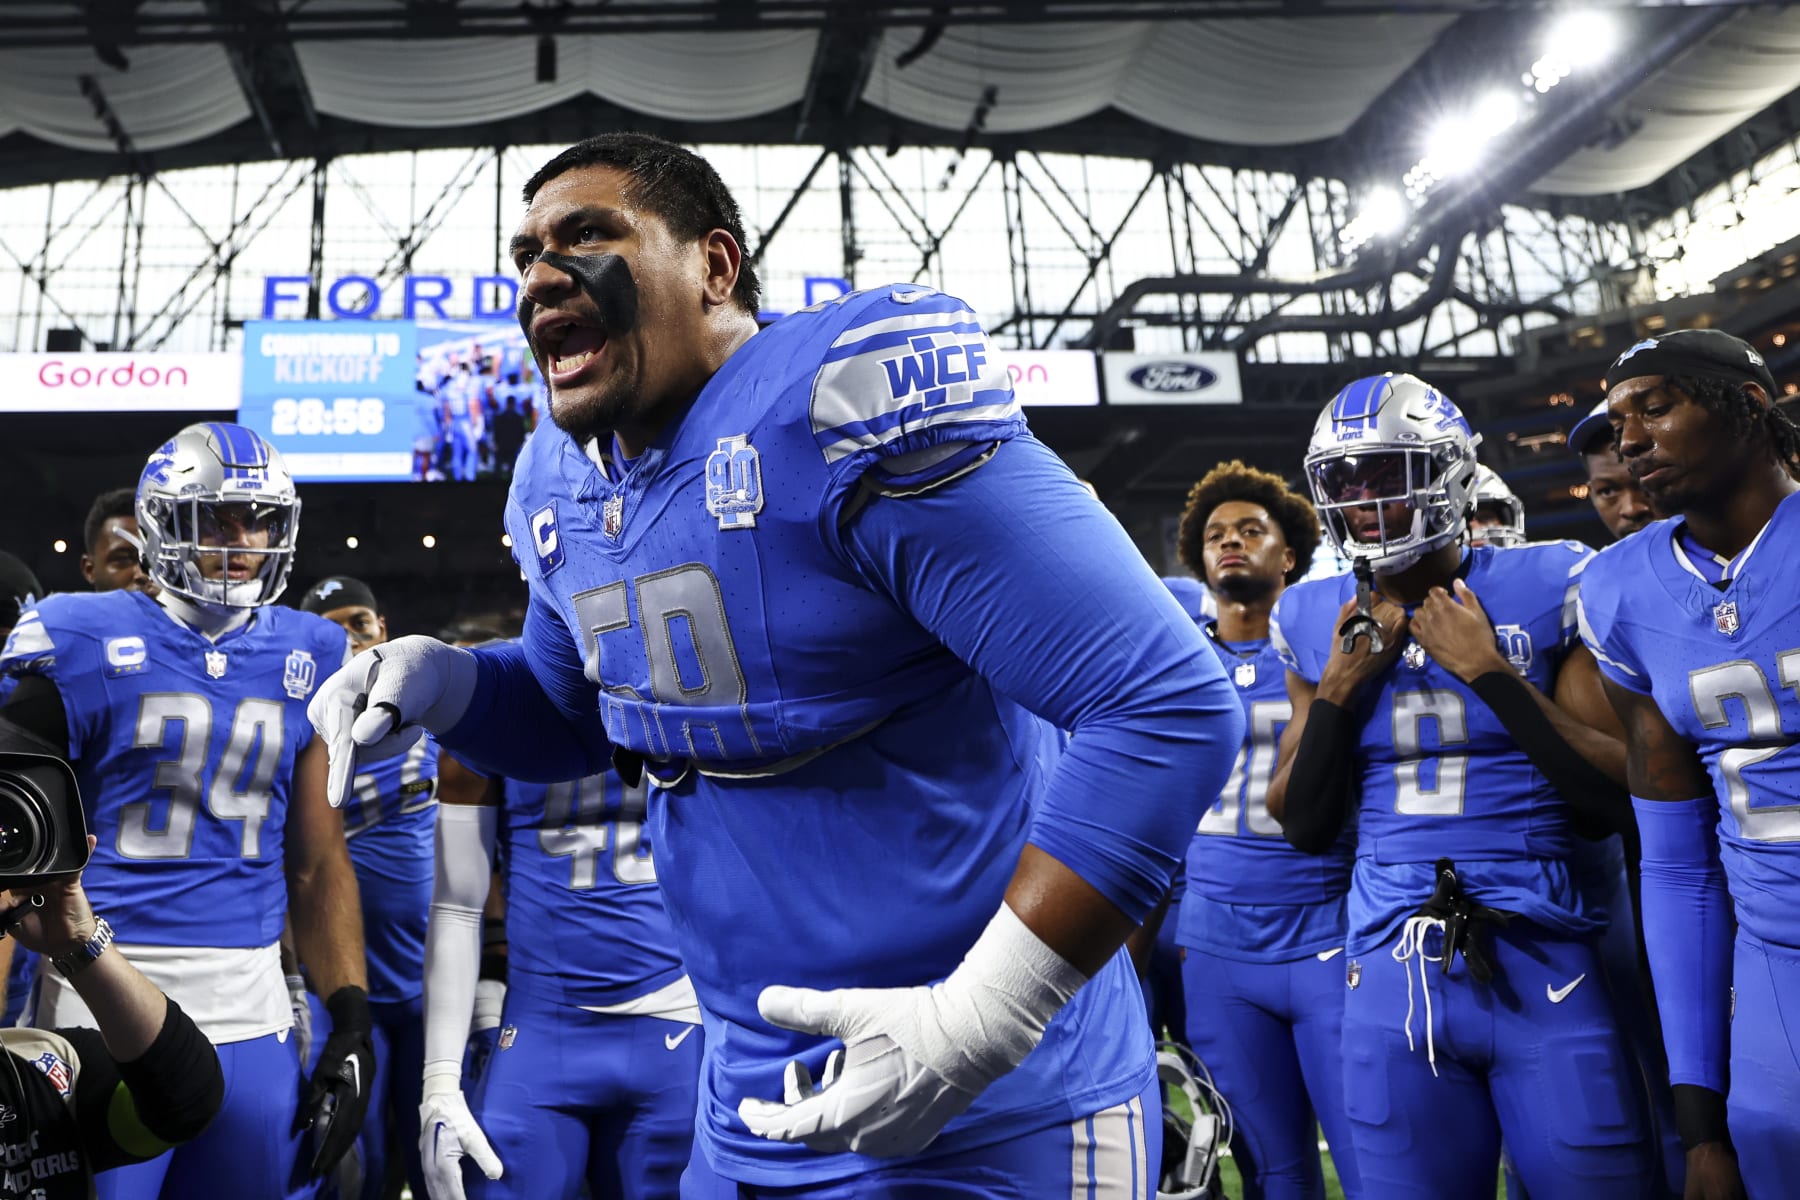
<point>845,791</point>
<point>390,818</point>
<point>1440,776</point>
<point>584,918</point>
<point>1723,665</point>
<point>1250,895</point>
<point>184,750</point>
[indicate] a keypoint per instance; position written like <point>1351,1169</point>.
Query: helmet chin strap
<point>211,621</point>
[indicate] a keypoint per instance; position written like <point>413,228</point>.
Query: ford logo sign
<point>1173,377</point>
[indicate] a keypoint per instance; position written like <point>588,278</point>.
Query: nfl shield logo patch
<point>1353,974</point>
<point>612,517</point>
<point>1414,656</point>
<point>508,1036</point>
<point>56,1071</point>
<point>1725,617</point>
<point>215,663</point>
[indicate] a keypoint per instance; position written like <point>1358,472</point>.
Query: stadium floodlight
<point>1384,211</point>
<point>1584,38</point>
<point>1495,113</point>
<point>1382,214</point>
<point>1576,40</point>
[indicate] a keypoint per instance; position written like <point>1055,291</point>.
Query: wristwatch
<point>70,962</point>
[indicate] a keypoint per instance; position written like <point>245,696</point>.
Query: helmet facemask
<point>215,502</point>
<point>202,537</point>
<point>1390,505</point>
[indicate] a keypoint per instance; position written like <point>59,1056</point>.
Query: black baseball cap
<point>1588,431</point>
<point>1705,353</point>
<point>338,591</point>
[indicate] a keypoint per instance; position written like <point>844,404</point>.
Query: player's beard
<point>1246,589</point>
<point>595,410</point>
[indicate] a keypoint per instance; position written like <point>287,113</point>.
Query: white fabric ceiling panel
<point>1045,74</point>
<point>170,95</point>
<point>1739,71</point>
<point>1272,82</point>
<point>467,81</point>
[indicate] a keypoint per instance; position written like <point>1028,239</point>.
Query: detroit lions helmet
<point>205,497</point>
<point>1196,1126</point>
<point>1492,495</point>
<point>1391,467</point>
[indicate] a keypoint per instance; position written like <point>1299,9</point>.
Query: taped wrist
<point>175,1086</point>
<point>993,1009</point>
<point>1699,1115</point>
<point>1584,787</point>
<point>1687,913</point>
<point>1318,790</point>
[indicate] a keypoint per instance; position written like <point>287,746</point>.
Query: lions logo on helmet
<point>1391,467</point>
<point>1499,514</point>
<point>218,516</point>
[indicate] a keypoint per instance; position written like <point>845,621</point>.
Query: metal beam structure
<point>256,41</point>
<point>1054,250</point>
<point>68,24</point>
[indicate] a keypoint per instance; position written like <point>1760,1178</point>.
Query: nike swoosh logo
<point>1558,995</point>
<point>1328,955</point>
<point>672,1040</point>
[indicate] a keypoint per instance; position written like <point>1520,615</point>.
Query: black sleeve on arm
<point>36,708</point>
<point>132,1111</point>
<point>1601,807</point>
<point>1319,782</point>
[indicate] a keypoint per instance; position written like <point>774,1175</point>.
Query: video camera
<point>43,832</point>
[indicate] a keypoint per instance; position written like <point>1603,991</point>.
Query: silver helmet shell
<point>188,485</point>
<point>1397,448</point>
<point>1491,492</point>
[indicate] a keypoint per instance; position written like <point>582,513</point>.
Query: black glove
<point>337,1096</point>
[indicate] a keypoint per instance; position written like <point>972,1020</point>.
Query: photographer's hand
<point>63,921</point>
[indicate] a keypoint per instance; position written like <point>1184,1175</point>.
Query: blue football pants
<point>1763,1109</point>
<point>1111,1155</point>
<point>1271,1034</point>
<point>1535,1057</point>
<point>248,1152</point>
<point>571,1097</point>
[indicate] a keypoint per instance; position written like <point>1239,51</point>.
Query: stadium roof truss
<point>165,154</point>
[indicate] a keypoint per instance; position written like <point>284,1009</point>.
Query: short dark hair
<point>120,502</point>
<point>1744,418</point>
<point>1236,480</point>
<point>671,181</point>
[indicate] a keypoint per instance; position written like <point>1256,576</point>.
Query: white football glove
<point>490,1002</point>
<point>913,1058</point>
<point>382,701</point>
<point>448,1134</point>
<point>296,986</point>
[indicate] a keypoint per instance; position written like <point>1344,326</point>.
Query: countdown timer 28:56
<point>345,415</point>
